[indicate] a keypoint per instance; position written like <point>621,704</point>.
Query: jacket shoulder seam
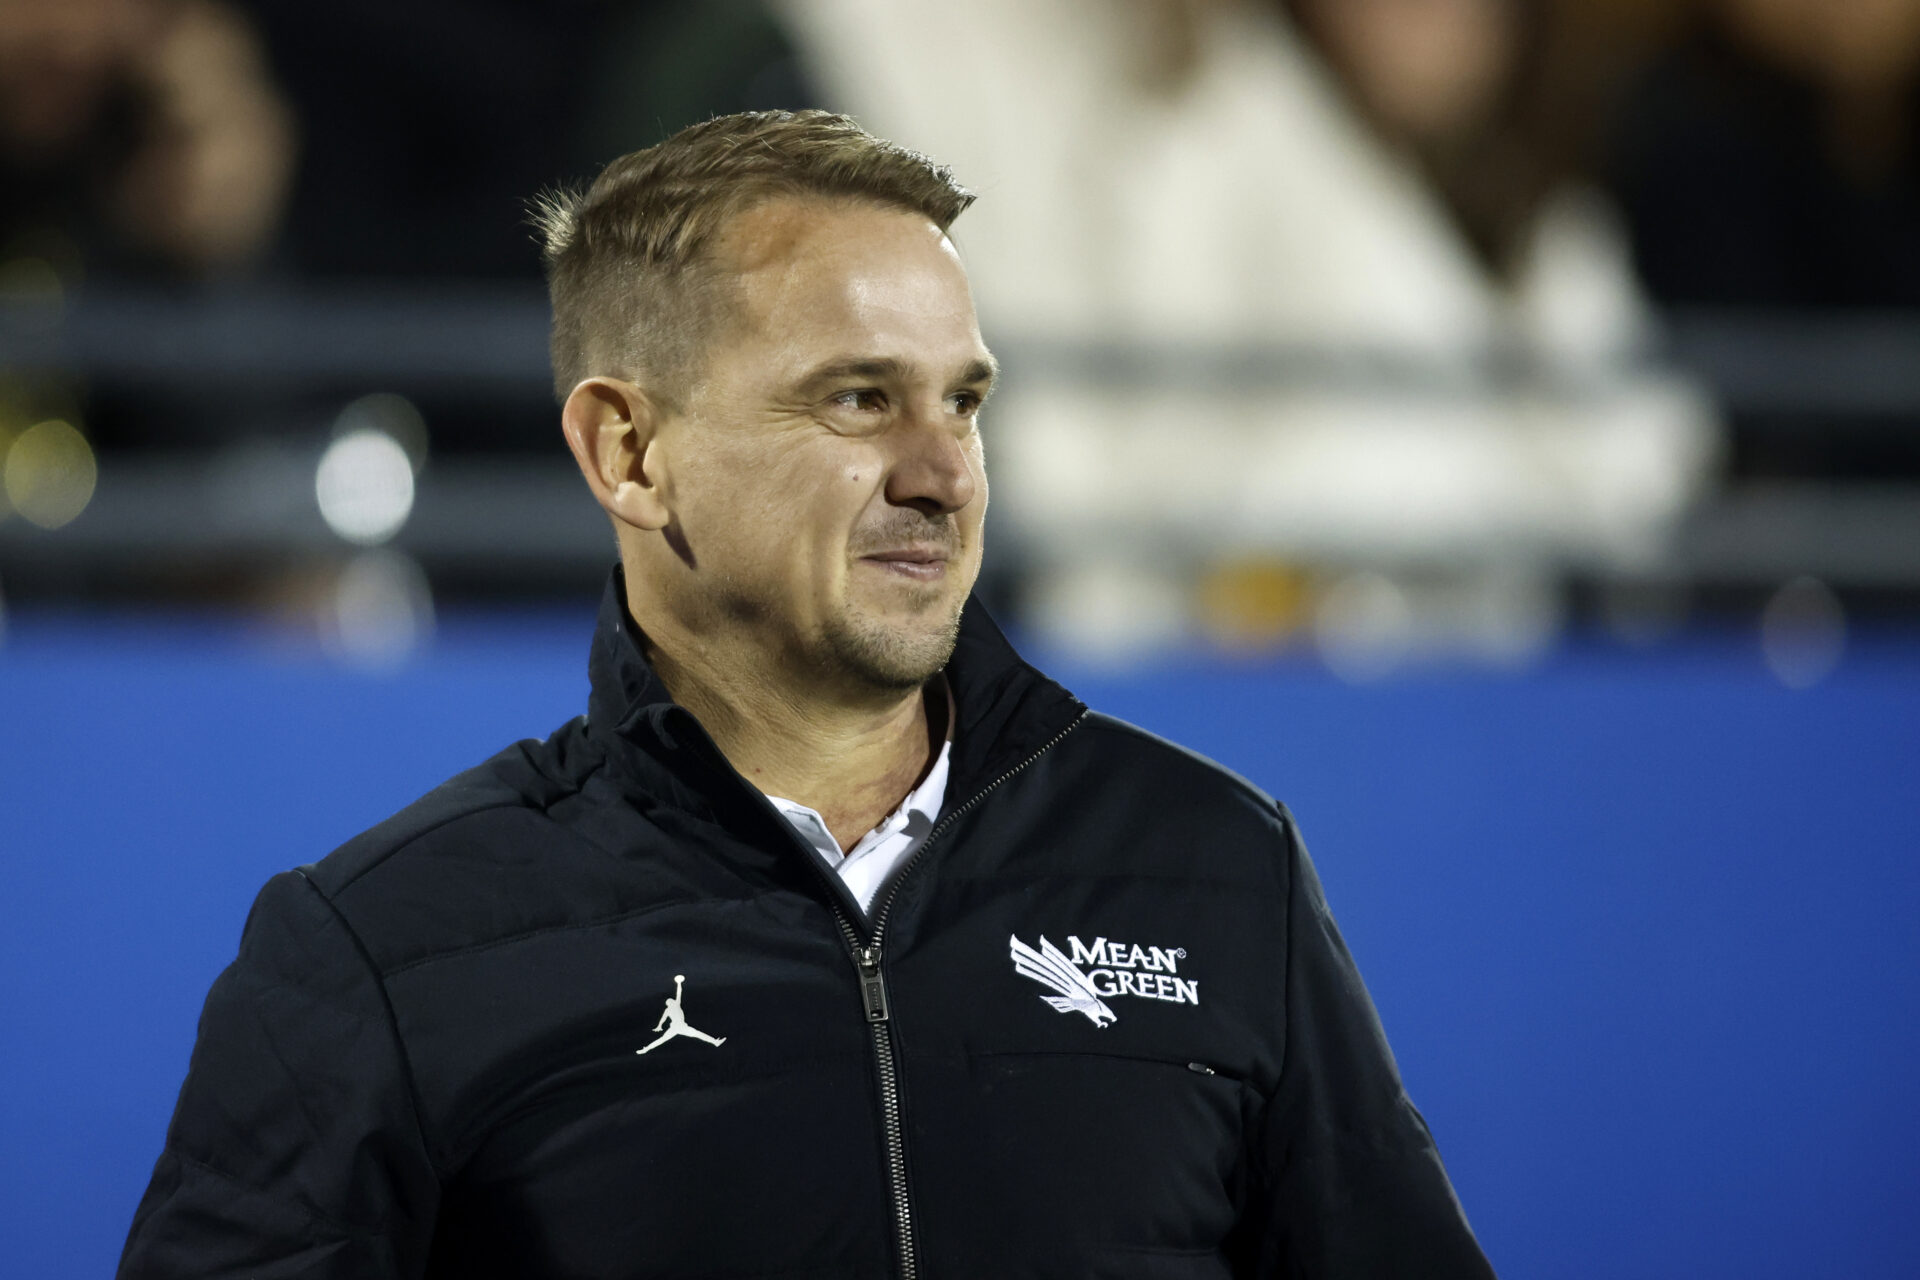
<point>305,1210</point>
<point>415,837</point>
<point>414,1101</point>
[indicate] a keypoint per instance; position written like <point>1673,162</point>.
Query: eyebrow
<point>987,371</point>
<point>882,368</point>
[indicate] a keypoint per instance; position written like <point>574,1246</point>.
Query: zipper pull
<point>873,988</point>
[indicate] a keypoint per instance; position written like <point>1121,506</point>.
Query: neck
<point>850,762</point>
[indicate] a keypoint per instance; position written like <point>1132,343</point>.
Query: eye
<point>862,400</point>
<point>965,403</point>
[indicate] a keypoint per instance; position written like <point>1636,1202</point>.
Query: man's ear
<point>612,426</point>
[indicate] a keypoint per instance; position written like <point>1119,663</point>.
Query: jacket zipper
<point>873,994</point>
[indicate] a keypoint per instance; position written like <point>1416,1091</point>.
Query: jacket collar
<point>1007,709</point>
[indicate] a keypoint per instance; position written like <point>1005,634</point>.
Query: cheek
<point>739,510</point>
<point>856,477</point>
<point>823,505</point>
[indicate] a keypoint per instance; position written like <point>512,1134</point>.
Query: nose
<point>932,469</point>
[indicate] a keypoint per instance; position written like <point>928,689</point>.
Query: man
<point>988,984</point>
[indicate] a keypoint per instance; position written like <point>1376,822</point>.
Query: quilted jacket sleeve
<point>1348,1183</point>
<point>294,1149</point>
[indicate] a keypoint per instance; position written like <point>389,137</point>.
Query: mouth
<point>917,564</point>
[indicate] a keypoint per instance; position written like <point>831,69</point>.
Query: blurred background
<point>1493,426</point>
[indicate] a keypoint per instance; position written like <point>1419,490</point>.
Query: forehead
<point>813,272</point>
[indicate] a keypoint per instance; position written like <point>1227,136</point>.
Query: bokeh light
<point>1803,633</point>
<point>50,473</point>
<point>6,445</point>
<point>380,610</point>
<point>365,486</point>
<point>1364,627</point>
<point>392,415</point>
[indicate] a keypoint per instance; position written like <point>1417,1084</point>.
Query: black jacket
<point>1100,1025</point>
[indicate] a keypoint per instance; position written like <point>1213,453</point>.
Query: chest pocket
<point>1031,1154</point>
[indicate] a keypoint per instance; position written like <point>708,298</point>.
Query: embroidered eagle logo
<point>1051,969</point>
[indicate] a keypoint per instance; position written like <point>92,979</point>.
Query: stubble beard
<point>859,651</point>
<point>887,648</point>
<point>892,657</point>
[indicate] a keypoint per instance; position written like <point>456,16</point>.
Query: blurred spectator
<point>137,137</point>
<point>662,65</point>
<point>1437,80</point>
<point>1774,157</point>
<point>142,142</point>
<point>429,124</point>
<point>157,136</point>
<point>1448,331</point>
<point>1772,160</point>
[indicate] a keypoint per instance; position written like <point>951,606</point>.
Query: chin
<point>895,653</point>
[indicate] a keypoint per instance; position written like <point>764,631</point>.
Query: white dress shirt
<point>867,865</point>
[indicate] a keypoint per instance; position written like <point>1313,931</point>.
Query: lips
<point>911,555</point>
<point>924,564</point>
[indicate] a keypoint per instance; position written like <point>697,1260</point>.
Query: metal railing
<point>256,500</point>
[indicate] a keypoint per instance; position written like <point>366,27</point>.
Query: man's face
<point>827,483</point>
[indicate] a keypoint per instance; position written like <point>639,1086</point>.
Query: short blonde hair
<point>626,258</point>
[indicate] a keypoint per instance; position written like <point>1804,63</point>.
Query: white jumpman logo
<point>675,1021</point>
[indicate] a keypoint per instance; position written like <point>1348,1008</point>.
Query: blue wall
<point>1645,931</point>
